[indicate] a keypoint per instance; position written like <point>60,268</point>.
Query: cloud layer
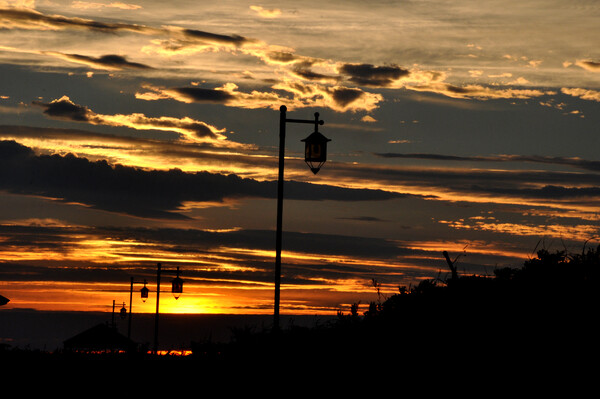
<point>154,194</point>
<point>189,129</point>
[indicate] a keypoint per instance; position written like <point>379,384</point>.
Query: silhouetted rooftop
<point>101,337</point>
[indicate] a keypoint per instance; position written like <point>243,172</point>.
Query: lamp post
<point>176,289</point>
<point>122,313</point>
<point>314,155</point>
<point>144,295</point>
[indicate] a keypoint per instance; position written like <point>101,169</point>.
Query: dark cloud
<point>467,183</point>
<point>201,95</point>
<point>193,242</point>
<point>364,219</point>
<point>144,193</point>
<point>344,96</point>
<point>65,109</point>
<point>549,192</point>
<point>71,134</point>
<point>375,76</point>
<point>437,157</point>
<point>215,38</point>
<point>589,65</point>
<point>308,74</point>
<point>31,19</point>
<point>109,61</point>
<point>564,161</point>
<point>282,56</point>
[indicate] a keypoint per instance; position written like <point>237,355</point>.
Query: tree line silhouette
<point>545,309</point>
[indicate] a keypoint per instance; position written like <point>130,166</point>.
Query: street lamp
<point>144,295</point>
<point>177,285</point>
<point>176,289</point>
<point>315,149</point>
<point>144,291</point>
<point>122,313</point>
<point>315,156</point>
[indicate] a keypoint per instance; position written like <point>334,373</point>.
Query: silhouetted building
<point>100,338</point>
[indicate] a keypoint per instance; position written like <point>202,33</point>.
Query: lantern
<point>315,151</point>
<point>144,292</point>
<point>177,285</point>
<point>123,311</point>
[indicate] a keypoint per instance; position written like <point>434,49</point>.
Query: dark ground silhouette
<point>545,311</point>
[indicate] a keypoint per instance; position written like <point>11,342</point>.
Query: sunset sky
<point>133,133</point>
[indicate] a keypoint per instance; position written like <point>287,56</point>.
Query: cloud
<point>248,254</point>
<point>565,161</point>
<point>266,13</point>
<point>584,94</point>
<point>575,233</point>
<point>22,18</point>
<point>373,76</point>
<point>188,128</point>
<point>227,95</point>
<point>183,41</point>
<point>145,152</point>
<point>91,5</point>
<point>180,38</point>
<point>338,98</point>
<point>144,193</point>
<point>588,65</point>
<point>109,62</point>
<point>364,219</point>
<point>368,118</point>
<point>478,91</point>
<point>207,37</point>
<point>561,191</point>
<point>306,73</point>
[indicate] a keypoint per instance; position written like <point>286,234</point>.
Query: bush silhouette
<point>545,308</point>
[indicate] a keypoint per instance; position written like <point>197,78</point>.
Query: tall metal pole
<point>113,315</point>
<point>157,302</point>
<point>130,303</point>
<point>282,120</point>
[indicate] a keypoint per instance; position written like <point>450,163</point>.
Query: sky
<point>145,132</point>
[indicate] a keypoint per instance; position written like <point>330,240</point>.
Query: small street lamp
<point>144,291</point>
<point>315,155</point>
<point>177,285</point>
<point>144,295</point>
<point>176,290</point>
<point>315,150</point>
<point>122,313</point>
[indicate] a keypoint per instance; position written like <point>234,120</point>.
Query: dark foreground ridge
<point>545,310</point>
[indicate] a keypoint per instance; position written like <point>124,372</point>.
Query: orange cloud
<point>478,91</point>
<point>588,65</point>
<point>266,13</point>
<point>338,98</point>
<point>190,130</point>
<point>584,94</point>
<point>90,5</point>
<point>109,62</point>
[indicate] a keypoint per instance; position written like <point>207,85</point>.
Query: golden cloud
<point>266,13</point>
<point>338,98</point>
<point>588,65</point>
<point>190,130</point>
<point>90,5</point>
<point>478,91</point>
<point>584,94</point>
